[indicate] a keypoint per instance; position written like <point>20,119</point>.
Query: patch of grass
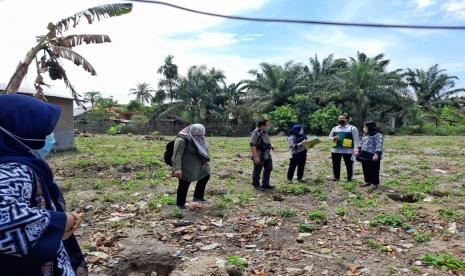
<point>219,213</point>
<point>445,261</point>
<point>219,205</point>
<point>386,219</point>
<point>319,194</point>
<point>448,214</point>
<point>98,185</point>
<point>306,228</point>
<point>391,182</point>
<point>341,212</point>
<point>349,186</point>
<point>424,186</point>
<point>360,202</point>
<point>287,213</point>
<point>177,213</point>
<point>409,211</point>
<point>317,216</point>
<point>167,200</point>
<point>374,244</point>
<point>295,189</point>
<point>84,163</point>
<point>267,212</point>
<point>237,261</point>
<point>422,237</point>
<point>245,197</point>
<point>272,223</point>
<point>111,198</point>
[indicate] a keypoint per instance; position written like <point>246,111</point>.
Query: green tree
<point>92,97</point>
<point>55,45</point>
<point>106,102</point>
<point>274,84</point>
<point>431,86</point>
<point>169,83</point>
<point>283,118</point>
<point>323,120</point>
<point>199,94</point>
<point>143,92</point>
<point>135,106</point>
<point>368,90</point>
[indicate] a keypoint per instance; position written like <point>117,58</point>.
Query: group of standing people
<point>36,231</point>
<point>346,145</point>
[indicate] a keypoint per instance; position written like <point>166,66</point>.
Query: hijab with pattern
<point>196,134</point>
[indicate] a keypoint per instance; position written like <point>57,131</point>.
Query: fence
<point>217,129</point>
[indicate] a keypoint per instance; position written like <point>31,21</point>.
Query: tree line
<point>312,93</point>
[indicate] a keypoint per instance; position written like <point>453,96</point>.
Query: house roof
<point>29,91</point>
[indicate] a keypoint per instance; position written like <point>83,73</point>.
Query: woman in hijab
<point>190,163</point>
<point>36,233</point>
<point>298,153</point>
<point>370,153</point>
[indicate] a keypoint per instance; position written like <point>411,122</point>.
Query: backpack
<point>169,151</point>
<point>168,155</point>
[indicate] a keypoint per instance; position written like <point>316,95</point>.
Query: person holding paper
<point>298,153</point>
<point>345,139</point>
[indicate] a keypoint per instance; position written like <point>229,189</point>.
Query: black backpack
<point>168,156</point>
<point>169,151</point>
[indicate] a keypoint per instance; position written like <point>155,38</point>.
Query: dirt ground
<point>131,226</point>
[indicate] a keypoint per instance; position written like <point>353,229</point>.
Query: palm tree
<point>199,94</point>
<point>92,97</point>
<point>143,92</point>
<point>274,84</point>
<point>368,89</point>
<point>432,86</point>
<point>169,70</point>
<point>327,67</point>
<point>55,45</point>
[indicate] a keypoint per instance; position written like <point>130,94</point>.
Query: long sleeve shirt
<point>345,128</point>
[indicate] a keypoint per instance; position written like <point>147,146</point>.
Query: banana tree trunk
<point>21,70</point>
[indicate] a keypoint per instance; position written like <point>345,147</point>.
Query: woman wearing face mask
<point>190,163</point>
<point>36,233</point>
<point>370,153</point>
<point>298,152</point>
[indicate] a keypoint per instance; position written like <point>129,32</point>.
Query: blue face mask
<point>47,148</point>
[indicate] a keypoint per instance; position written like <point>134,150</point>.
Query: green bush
<point>283,117</point>
<point>237,261</point>
<point>116,129</point>
<point>306,227</point>
<point>323,120</point>
<point>135,106</point>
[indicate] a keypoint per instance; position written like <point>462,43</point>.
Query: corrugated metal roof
<point>25,90</point>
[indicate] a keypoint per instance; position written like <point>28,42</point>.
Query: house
<point>64,131</point>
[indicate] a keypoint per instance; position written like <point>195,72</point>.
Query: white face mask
<point>39,153</point>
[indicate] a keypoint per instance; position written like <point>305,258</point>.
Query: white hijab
<point>196,134</point>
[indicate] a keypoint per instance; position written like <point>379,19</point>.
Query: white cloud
<point>455,8</point>
<point>339,41</point>
<point>421,4</point>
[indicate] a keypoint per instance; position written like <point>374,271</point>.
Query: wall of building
<point>64,131</point>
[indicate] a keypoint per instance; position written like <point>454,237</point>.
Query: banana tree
<point>55,45</point>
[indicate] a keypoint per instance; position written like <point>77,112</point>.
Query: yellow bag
<point>347,143</point>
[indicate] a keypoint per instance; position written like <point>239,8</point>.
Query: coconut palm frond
<point>76,58</point>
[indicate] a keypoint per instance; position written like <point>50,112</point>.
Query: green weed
<point>319,194</point>
<point>287,213</point>
<point>409,211</point>
<point>295,189</point>
<point>445,261</point>
<point>317,216</point>
<point>422,237</point>
<point>341,212</point>
<point>386,219</point>
<point>448,214</point>
<point>306,227</point>
<point>237,261</point>
<point>377,245</point>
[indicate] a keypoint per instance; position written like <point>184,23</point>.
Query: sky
<point>142,39</point>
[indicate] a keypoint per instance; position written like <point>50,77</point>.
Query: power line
<point>298,21</point>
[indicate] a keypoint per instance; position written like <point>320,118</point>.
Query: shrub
<point>135,106</point>
<point>287,213</point>
<point>116,129</point>
<point>317,216</point>
<point>283,117</point>
<point>422,237</point>
<point>324,119</point>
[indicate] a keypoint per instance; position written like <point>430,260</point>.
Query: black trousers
<point>183,188</point>
<point>371,171</point>
<point>297,161</point>
<point>267,166</point>
<point>336,158</point>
